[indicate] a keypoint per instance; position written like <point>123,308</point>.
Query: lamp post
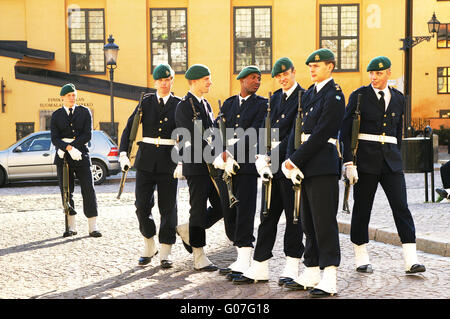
<point>408,43</point>
<point>111,50</point>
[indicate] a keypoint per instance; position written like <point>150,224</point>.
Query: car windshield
<point>39,142</point>
<point>21,140</point>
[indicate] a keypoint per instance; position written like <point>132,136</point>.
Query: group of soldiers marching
<point>300,164</point>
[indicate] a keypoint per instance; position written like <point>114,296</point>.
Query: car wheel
<point>2,177</point>
<point>99,172</point>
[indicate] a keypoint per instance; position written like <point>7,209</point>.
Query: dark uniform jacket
<point>375,121</point>
<point>248,115</point>
<point>157,122</point>
<point>322,118</point>
<point>282,117</point>
<point>184,116</point>
<point>79,129</point>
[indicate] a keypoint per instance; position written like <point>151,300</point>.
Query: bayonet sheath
<point>297,143</point>
<point>354,148</point>
<point>131,138</point>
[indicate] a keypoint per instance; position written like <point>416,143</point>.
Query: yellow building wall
<point>14,112</point>
<point>427,58</point>
<point>12,20</point>
<point>45,29</point>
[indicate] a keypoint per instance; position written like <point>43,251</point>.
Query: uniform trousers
<point>201,217</point>
<point>239,220</point>
<point>282,199</point>
<point>166,185</point>
<point>394,187</point>
<point>445,175</point>
<point>84,176</point>
<point>319,206</point>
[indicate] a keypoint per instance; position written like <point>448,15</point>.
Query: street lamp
<point>411,41</point>
<point>111,51</point>
<point>408,43</point>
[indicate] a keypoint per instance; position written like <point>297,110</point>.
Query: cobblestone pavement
<point>37,262</point>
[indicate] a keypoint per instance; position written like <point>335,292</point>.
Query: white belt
<point>305,137</point>
<point>68,140</point>
<point>158,141</point>
<point>377,138</point>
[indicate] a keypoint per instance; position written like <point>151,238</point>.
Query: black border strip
<point>82,83</point>
<point>19,49</point>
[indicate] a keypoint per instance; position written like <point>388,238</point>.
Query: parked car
<point>31,158</point>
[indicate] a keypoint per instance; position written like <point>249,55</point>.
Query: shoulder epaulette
<point>259,97</point>
<point>230,98</point>
<point>396,91</point>
<point>279,90</point>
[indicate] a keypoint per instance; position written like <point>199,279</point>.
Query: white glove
<point>261,162</point>
<point>75,154</point>
<point>178,172</point>
<point>265,174</point>
<point>124,161</point>
<point>60,153</point>
<point>230,166</point>
<point>219,163</point>
<point>287,172</point>
<point>351,173</point>
<point>296,176</point>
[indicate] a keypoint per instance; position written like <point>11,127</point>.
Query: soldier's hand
<point>351,173</point>
<point>178,172</point>
<point>219,162</point>
<point>292,172</point>
<point>60,153</point>
<point>124,161</point>
<point>231,166</point>
<point>262,161</point>
<point>266,173</point>
<point>286,171</point>
<point>296,176</point>
<point>75,154</point>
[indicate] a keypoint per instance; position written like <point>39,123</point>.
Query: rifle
<point>213,172</point>
<point>233,201</point>
<point>66,195</point>
<point>131,138</point>
<point>297,142</point>
<point>354,147</point>
<point>267,184</point>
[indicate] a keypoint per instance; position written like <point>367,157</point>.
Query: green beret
<point>379,63</point>
<point>282,65</point>
<point>248,70</point>
<point>67,88</point>
<point>162,71</point>
<point>197,71</point>
<point>321,55</point>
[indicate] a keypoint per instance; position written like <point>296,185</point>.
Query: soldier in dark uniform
<point>243,111</point>
<point>194,168</point>
<point>284,104</point>
<point>378,161</point>
<point>316,164</point>
<point>444,192</point>
<point>71,130</point>
<point>154,166</point>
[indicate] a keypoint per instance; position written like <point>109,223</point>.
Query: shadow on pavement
<point>40,244</point>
